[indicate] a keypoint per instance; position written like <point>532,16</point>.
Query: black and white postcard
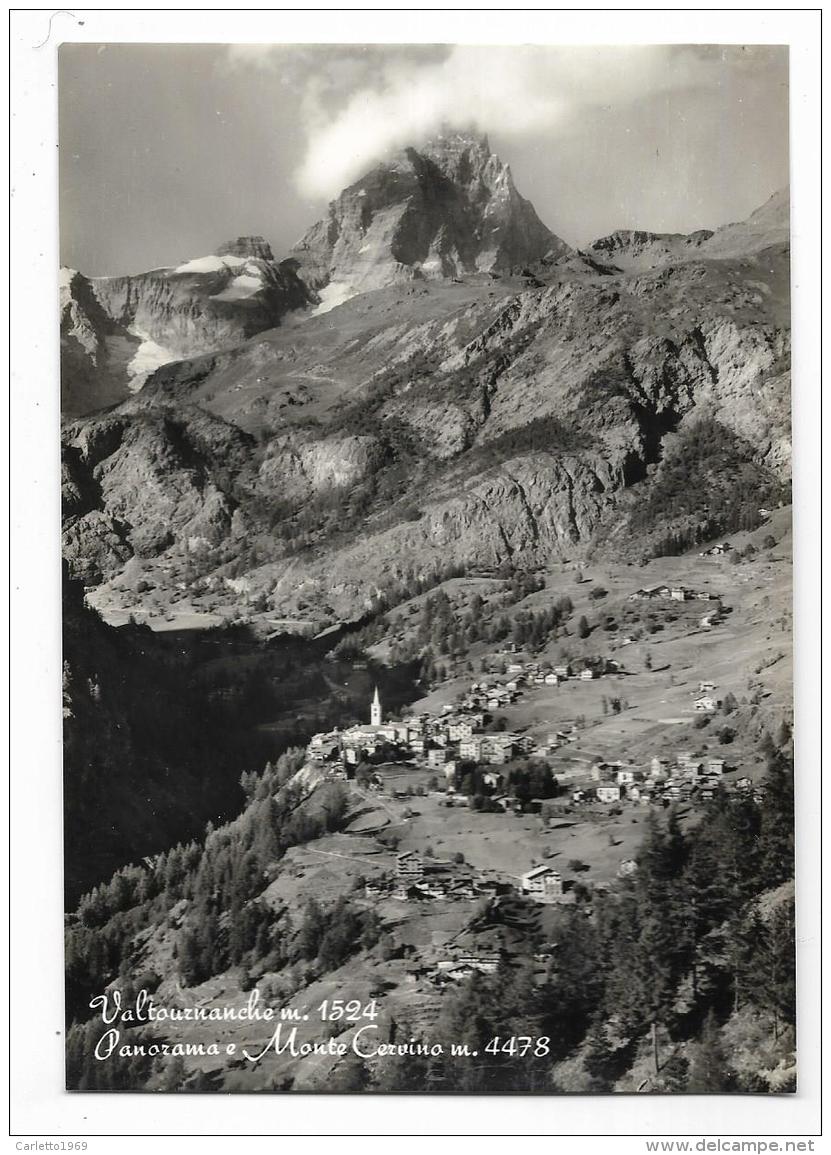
<point>427,558</point>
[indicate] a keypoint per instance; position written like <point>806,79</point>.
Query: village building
<point>496,749</point>
<point>323,748</point>
<point>587,674</point>
<point>648,594</point>
<point>487,963</point>
<point>563,671</point>
<point>470,749</point>
<point>605,771</point>
<point>689,762</point>
<point>408,865</point>
<point>715,766</point>
<point>608,793</point>
<point>659,767</point>
<point>678,594</point>
<point>377,887</point>
<point>640,595</point>
<point>706,704</point>
<point>625,777</point>
<point>543,884</point>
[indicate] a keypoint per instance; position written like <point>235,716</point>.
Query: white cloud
<point>505,90</point>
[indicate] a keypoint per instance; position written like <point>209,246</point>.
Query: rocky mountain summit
<point>632,249</point>
<point>481,396</point>
<point>448,209</point>
<point>256,247</point>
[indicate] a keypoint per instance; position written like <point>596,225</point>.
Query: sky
<point>168,150</point>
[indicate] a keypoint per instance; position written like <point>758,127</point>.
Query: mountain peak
<point>447,209</point>
<point>254,246</point>
<point>453,141</point>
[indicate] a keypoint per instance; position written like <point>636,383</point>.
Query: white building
<point>543,884</point>
<point>706,704</point>
<point>608,793</point>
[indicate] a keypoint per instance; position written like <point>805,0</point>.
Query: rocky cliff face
<point>449,209</point>
<point>96,351</point>
<point>116,331</point>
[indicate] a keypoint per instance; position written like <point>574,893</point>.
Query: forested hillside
<point>678,979</point>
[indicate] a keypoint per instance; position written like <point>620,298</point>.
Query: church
<point>367,738</point>
<point>375,710</point>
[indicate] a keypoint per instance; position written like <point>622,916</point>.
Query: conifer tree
<point>709,1072</point>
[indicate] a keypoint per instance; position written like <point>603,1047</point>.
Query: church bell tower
<point>375,710</point>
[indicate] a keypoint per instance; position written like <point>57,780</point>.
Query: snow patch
<point>211,264</point>
<point>148,357</point>
<point>65,276</point>
<point>334,294</point>
<point>242,286</point>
